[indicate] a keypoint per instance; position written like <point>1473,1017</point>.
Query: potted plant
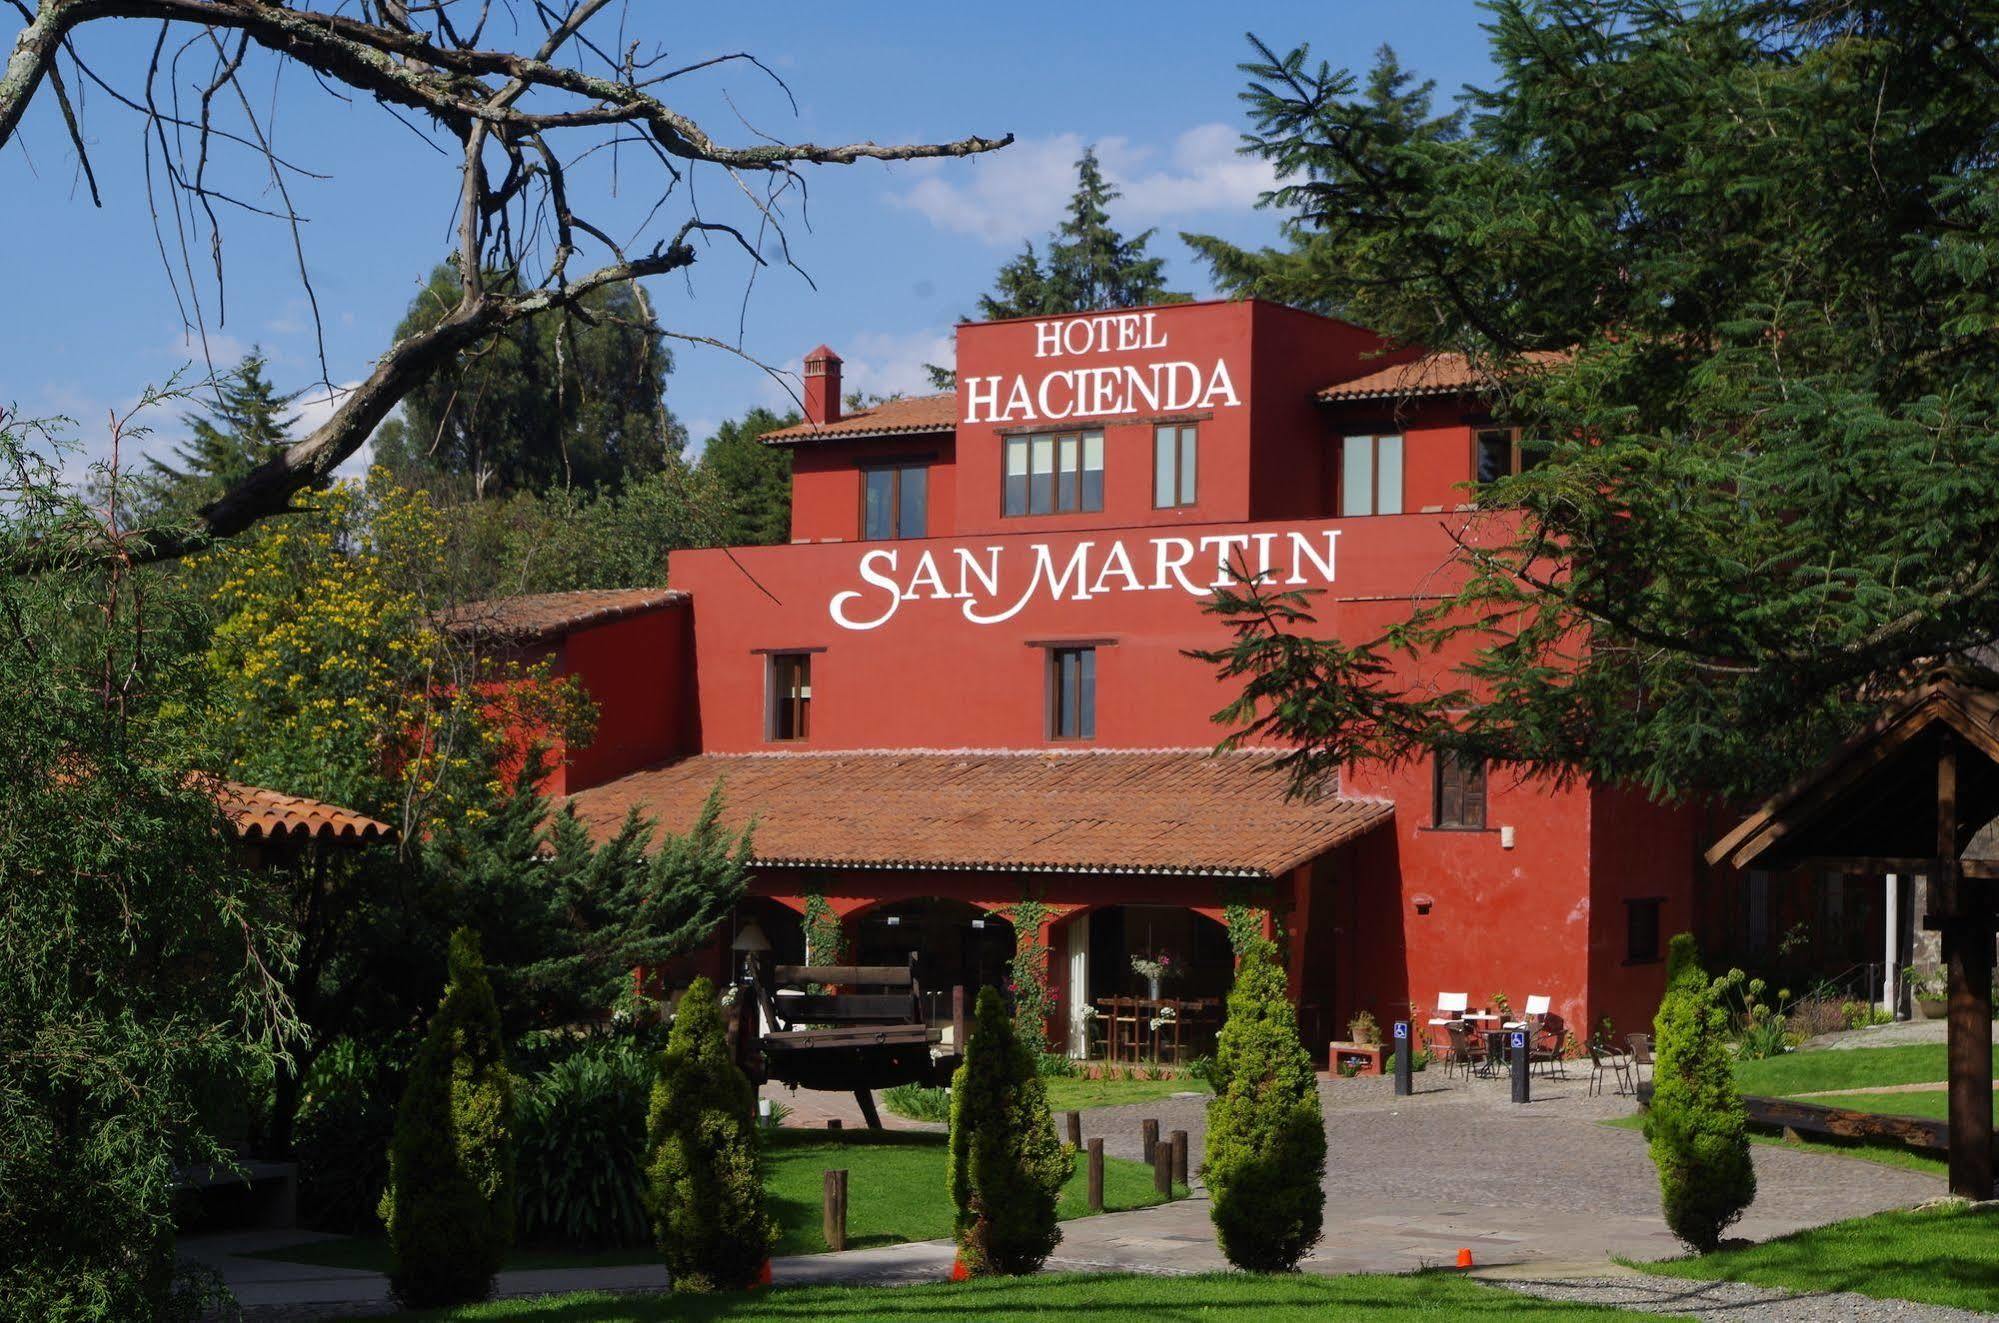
<point>1362,1028</point>
<point>1927,991</point>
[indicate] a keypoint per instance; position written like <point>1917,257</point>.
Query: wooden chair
<point>1124,1030</point>
<point>1097,1036</point>
<point>1641,1056</point>
<point>1451,1007</point>
<point>1166,1038</point>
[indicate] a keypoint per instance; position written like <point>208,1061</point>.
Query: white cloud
<point>224,351</point>
<point>1019,192</point>
<point>889,364</point>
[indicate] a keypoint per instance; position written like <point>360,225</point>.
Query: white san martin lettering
<point>982,580</point>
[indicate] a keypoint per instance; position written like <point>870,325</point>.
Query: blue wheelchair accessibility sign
<point>1401,1029</point>
<point>1520,1040</point>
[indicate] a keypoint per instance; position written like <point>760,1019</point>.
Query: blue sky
<point>895,253</point>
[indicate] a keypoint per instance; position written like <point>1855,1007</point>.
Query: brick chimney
<point>822,386</point>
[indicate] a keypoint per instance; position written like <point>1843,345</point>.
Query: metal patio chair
<point>1604,1060</point>
<point>1641,1057</point>
<point>1464,1052</point>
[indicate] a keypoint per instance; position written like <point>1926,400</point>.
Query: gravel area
<point>1901,1033</point>
<point>1733,1301</point>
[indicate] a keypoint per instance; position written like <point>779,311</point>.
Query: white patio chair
<point>1451,1007</point>
<point>1537,1006</point>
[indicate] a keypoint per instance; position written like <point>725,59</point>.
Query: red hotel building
<point>965,683</point>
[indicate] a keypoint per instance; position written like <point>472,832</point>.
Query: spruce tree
<point>1266,1145</point>
<point>1392,109</point>
<point>248,423</point>
<point>754,478</point>
<point>449,1207</point>
<point>703,1180</point>
<point>1007,1166</point>
<point>1090,266</point>
<point>1696,1125</point>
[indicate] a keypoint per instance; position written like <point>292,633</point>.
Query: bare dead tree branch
<point>522,120</point>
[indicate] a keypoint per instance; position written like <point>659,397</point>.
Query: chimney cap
<point>822,354</point>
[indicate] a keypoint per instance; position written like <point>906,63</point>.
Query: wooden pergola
<point>1912,794</point>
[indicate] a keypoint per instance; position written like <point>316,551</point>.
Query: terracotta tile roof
<point>916,413</point>
<point>539,617</point>
<point>1433,374</point>
<point>258,814</point>
<point>1180,811</point>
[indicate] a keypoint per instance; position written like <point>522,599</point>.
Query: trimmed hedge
<point>703,1178</point>
<point>1696,1126</point>
<point>449,1206</point>
<point>1266,1146</point>
<point>1007,1166</point>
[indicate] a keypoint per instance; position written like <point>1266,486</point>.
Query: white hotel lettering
<point>980,579</point>
<point>1172,386</point>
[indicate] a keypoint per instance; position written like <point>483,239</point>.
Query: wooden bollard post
<point>1075,1120</point>
<point>835,1223</point>
<point>1096,1175</point>
<point>833,1123</point>
<point>1148,1139</point>
<point>1162,1169</point>
<point>1180,1158</point>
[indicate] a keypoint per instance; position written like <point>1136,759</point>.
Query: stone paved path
<point>1733,1302</point>
<point>1544,1189</point>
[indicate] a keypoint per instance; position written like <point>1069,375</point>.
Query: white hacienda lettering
<point>1089,570</point>
<point>1108,391</point>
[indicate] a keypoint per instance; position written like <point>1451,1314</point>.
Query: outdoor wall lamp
<point>1422,900</point>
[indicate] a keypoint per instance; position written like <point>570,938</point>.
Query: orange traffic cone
<point>959,1272</point>
<point>1464,1258</point>
<point>763,1275</point>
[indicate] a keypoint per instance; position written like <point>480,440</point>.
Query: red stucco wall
<point>640,672</point>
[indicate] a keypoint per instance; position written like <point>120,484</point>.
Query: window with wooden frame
<point>1072,693</point>
<point>1370,475</point>
<point>1459,792</point>
<point>1057,473</point>
<point>1497,453</point>
<point>895,500</point>
<point>1174,447</point>
<point>788,707</point>
<point>1641,929</point>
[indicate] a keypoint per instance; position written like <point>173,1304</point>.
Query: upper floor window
<point>788,706</point>
<point>1641,929</point>
<point>1055,474</point>
<point>1371,475</point>
<point>1173,462</point>
<point>1498,454</point>
<point>1072,693</point>
<point>894,501</point>
<point>1460,791</point>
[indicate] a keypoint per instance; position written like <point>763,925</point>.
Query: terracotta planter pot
<point>1931,1007</point>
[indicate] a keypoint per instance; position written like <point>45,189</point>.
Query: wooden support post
<point>1162,1169</point>
<point>1075,1121</point>
<point>866,1098</point>
<point>1179,1139</point>
<point>835,1220</point>
<point>1096,1152</point>
<point>1967,953</point>
<point>958,1018</point>
<point>1148,1139</point>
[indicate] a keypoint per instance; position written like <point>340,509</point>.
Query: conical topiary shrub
<point>449,1206</point>
<point>1266,1146</point>
<point>1696,1126</point>
<point>704,1184</point>
<point>1007,1166</point>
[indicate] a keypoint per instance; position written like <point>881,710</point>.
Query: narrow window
<point>1499,453</point>
<point>1641,930</point>
<point>1173,464</point>
<point>1371,475</point>
<point>1054,474</point>
<point>789,706</point>
<point>1460,792</point>
<point>894,501</point>
<point>1072,693</point>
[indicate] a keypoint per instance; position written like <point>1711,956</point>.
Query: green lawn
<point>1885,1153</point>
<point>895,1192</point>
<point>1434,1298</point>
<point>1070,1094</point>
<point>1937,1256</point>
<point>1813,1072</point>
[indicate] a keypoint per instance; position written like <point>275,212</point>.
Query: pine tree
<point>449,1207</point>
<point>1743,320</point>
<point>1394,109</point>
<point>1696,1125</point>
<point>703,1181</point>
<point>754,478</point>
<point>1266,1147</point>
<point>247,424</point>
<point>1090,265</point>
<point>1007,1166</point>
